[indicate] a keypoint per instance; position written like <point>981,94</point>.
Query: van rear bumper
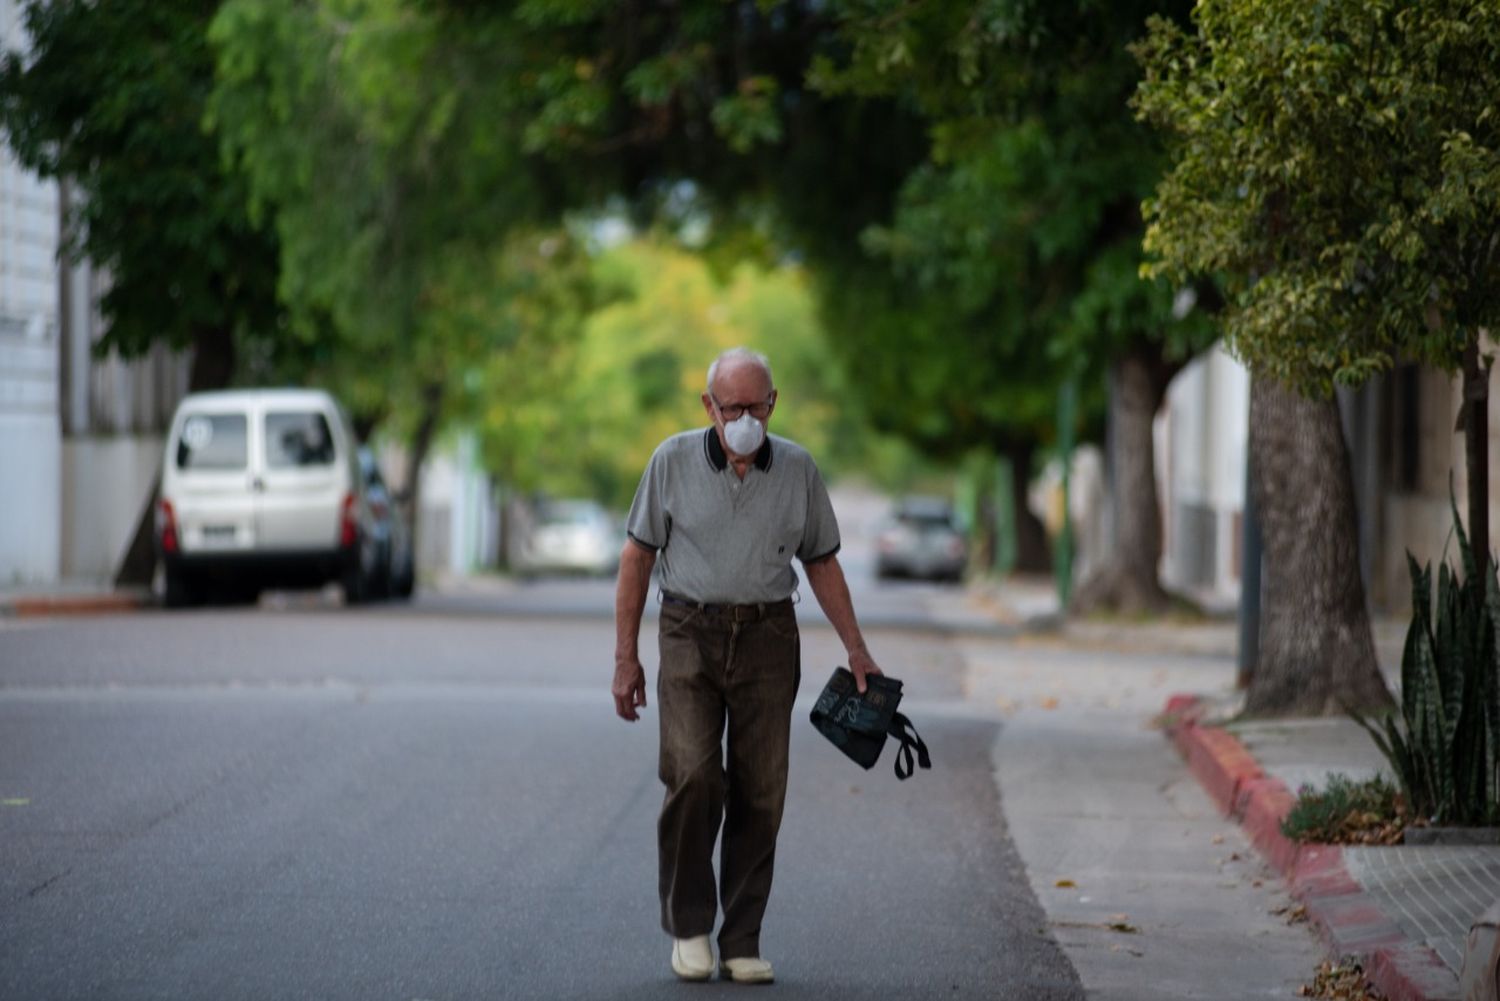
<point>276,568</point>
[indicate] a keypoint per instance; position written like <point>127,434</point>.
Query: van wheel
<point>181,590</point>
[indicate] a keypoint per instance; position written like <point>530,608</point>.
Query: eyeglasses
<point>733,411</point>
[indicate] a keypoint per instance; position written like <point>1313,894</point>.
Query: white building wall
<point>79,436</point>
<point>458,521</point>
<point>30,433</point>
<point>114,415</point>
<point>1202,437</point>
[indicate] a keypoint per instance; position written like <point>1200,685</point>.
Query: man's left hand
<point>861,664</point>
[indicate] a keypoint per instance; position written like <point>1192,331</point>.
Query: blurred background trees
<point>1336,168</point>
<point>539,220</point>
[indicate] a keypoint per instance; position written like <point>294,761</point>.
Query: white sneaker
<point>747,970</point>
<point>692,958</point>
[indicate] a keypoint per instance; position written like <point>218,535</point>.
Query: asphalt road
<point>436,802</point>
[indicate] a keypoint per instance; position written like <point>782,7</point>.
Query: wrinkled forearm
<point>826,577</point>
<point>631,591</point>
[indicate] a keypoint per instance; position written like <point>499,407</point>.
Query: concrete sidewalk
<point>1150,891</point>
<point>1405,910</point>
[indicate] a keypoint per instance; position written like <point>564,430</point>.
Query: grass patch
<point>1346,812</point>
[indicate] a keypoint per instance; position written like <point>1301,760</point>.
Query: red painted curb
<point>1264,803</point>
<point>92,604</point>
<point>1409,972</point>
<point>1348,921</point>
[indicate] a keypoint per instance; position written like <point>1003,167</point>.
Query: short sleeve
<point>648,523</point>
<point>820,532</point>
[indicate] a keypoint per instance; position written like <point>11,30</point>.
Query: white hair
<point>740,355</point>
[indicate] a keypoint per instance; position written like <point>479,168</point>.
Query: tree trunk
<point>213,359</point>
<point>212,368</point>
<point>1317,655</point>
<point>421,444</point>
<point>1127,581</point>
<point>1033,553</point>
<point>1475,421</point>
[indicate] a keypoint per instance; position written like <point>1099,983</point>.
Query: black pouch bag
<point>859,724</point>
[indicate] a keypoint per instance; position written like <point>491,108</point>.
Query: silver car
<point>922,540</point>
<point>572,536</point>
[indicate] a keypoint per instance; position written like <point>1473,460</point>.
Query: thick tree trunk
<point>212,368</point>
<point>1475,421</point>
<point>1317,655</point>
<point>1127,581</point>
<point>1033,553</point>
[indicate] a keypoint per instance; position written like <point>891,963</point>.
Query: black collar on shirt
<point>718,458</point>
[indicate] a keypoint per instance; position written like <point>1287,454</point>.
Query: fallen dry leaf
<point>1293,914</point>
<point>1119,926</point>
<point>1342,981</point>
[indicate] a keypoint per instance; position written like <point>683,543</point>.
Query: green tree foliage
<point>1037,169</point>
<point>111,99</point>
<point>1023,227</point>
<point>1338,166</point>
<point>578,412</point>
<point>381,141</point>
<point>445,123</point>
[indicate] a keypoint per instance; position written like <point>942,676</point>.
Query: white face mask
<point>745,435</point>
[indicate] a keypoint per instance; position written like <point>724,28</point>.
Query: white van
<point>262,488</point>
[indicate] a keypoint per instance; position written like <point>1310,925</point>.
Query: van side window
<point>299,438</point>
<point>212,441</point>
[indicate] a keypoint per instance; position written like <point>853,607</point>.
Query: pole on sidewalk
<point>1250,547</point>
<point>1067,417</point>
<point>1005,517</point>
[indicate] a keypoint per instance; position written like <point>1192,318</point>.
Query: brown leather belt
<point>739,613</point>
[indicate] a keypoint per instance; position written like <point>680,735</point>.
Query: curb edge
<point>1348,921</point>
<point>37,606</point>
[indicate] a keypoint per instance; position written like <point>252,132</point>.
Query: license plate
<point>218,534</point>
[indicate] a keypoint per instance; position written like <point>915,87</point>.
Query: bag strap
<point>902,729</point>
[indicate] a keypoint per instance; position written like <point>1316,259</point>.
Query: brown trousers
<point>738,665</point>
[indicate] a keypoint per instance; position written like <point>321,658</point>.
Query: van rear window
<point>212,441</point>
<point>298,438</point>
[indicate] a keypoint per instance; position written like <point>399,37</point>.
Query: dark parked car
<point>921,539</point>
<point>395,574</point>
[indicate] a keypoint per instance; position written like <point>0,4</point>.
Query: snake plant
<point>1445,748</point>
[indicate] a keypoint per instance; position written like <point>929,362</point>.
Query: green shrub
<point>1347,812</point>
<point>1446,749</point>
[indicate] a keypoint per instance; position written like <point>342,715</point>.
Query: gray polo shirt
<point>724,540</point>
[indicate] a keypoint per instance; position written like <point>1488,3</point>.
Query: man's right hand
<point>629,688</point>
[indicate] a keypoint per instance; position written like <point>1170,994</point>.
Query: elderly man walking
<point>724,510</point>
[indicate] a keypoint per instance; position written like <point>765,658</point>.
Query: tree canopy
<point>579,413</point>
<point>1338,166</point>
<point>111,98</point>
